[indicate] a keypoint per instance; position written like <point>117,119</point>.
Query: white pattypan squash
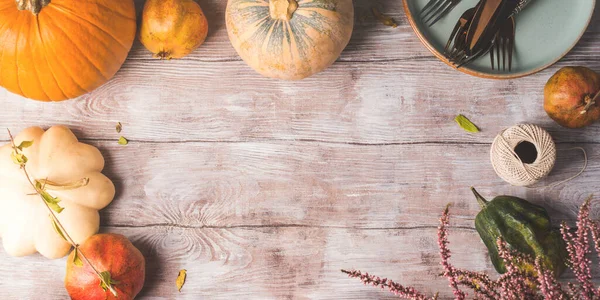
<point>71,172</point>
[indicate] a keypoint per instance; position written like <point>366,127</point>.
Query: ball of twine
<point>510,167</point>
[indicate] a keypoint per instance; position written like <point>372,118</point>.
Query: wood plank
<point>264,189</point>
<point>366,103</point>
<point>409,98</point>
<point>265,263</point>
<point>318,184</point>
<point>268,263</point>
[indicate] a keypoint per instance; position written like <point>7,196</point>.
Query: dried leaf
<point>53,186</point>
<point>119,127</point>
<point>57,229</point>
<point>385,20</point>
<point>181,279</point>
<point>466,124</point>
<point>123,141</point>
<point>25,144</point>
<point>76,260</point>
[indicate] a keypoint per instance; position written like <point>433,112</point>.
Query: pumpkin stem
<point>34,6</point>
<point>482,202</point>
<point>589,102</point>
<point>283,9</point>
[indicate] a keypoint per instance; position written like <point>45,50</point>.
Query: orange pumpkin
<point>289,39</point>
<point>53,50</point>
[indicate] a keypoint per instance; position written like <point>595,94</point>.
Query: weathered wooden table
<point>265,189</point>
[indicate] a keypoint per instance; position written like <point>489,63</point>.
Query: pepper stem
<point>482,202</point>
<point>34,6</point>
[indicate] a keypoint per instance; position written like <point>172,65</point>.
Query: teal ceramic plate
<point>546,31</point>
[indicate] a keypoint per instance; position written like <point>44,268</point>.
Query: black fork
<point>435,10</point>
<point>504,42</point>
<point>456,45</point>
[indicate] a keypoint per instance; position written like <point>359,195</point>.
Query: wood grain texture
<point>409,97</point>
<point>265,189</point>
<point>319,184</point>
<point>268,263</point>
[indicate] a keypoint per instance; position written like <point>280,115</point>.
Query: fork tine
<point>479,53</point>
<point>504,52</point>
<point>511,46</point>
<point>452,36</point>
<point>433,8</point>
<point>437,10</point>
<point>449,7</point>
<point>492,56</point>
<point>498,45</point>
<point>428,6</point>
<point>464,59</point>
<point>458,55</point>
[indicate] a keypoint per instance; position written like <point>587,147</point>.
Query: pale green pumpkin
<point>289,39</point>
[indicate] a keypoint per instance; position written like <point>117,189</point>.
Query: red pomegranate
<point>114,256</point>
<point>569,97</point>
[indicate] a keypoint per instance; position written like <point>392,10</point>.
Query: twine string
<point>508,164</point>
<point>510,167</point>
<point>585,164</point>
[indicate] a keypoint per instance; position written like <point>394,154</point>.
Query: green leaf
<point>76,260</point>
<point>18,158</point>
<point>385,20</point>
<point>39,186</point>
<point>181,279</point>
<point>123,141</point>
<point>119,127</point>
<point>57,228</point>
<point>25,144</point>
<point>107,282</point>
<point>466,124</point>
<point>52,201</point>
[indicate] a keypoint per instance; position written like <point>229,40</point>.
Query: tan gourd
<point>55,157</point>
<point>289,39</point>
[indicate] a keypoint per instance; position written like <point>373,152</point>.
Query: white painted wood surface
<point>265,189</point>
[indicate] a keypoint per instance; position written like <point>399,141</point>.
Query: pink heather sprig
<point>549,287</point>
<point>445,254</point>
<point>397,289</point>
<point>595,229</point>
<point>515,283</point>
<point>578,248</point>
<point>480,283</point>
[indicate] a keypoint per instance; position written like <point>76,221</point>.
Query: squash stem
<point>482,202</point>
<point>282,9</point>
<point>34,6</point>
<point>162,55</point>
